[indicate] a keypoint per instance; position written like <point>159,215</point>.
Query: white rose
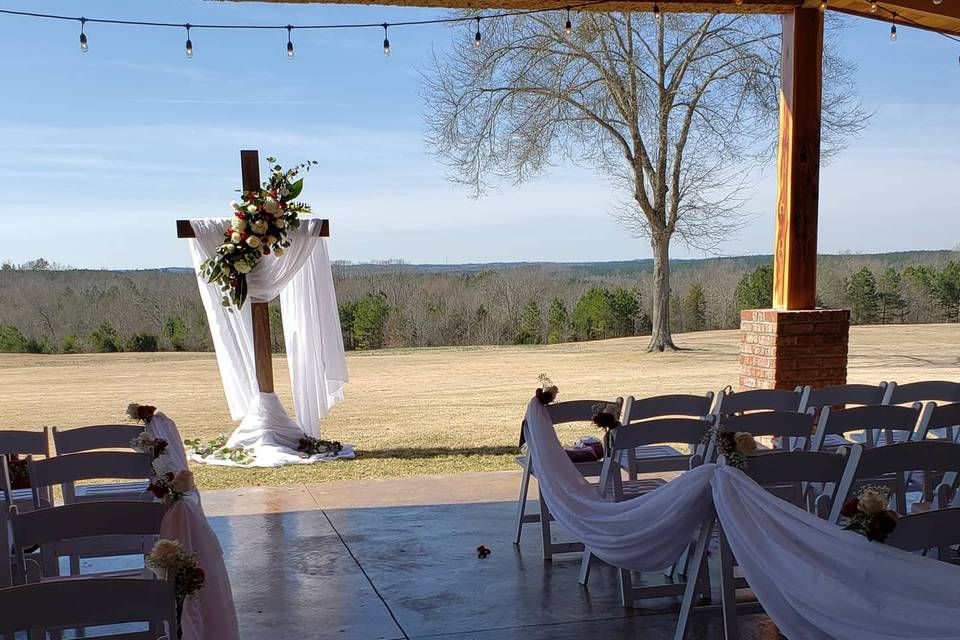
<point>242,267</point>
<point>284,191</point>
<point>872,501</point>
<point>272,240</point>
<point>252,208</point>
<point>259,227</point>
<point>280,222</point>
<point>253,242</point>
<point>271,206</point>
<point>182,481</point>
<point>238,225</point>
<point>227,247</point>
<point>164,554</point>
<point>278,251</point>
<point>235,237</point>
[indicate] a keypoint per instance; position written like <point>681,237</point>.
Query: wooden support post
<point>798,161</point>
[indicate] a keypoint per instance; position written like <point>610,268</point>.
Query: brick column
<point>786,349</point>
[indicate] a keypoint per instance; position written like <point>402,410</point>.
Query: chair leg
<point>522,500</point>
<point>728,590</point>
<point>585,563</point>
<point>626,588</point>
<point>698,565</point>
<point>546,538</point>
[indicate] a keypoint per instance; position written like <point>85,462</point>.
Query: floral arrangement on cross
<point>260,224</point>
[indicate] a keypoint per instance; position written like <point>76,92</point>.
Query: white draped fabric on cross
<point>815,580</point>
<point>311,328</point>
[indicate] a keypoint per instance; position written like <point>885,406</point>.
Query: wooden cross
<point>250,170</point>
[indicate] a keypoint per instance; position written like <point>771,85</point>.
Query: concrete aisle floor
<point>317,569</point>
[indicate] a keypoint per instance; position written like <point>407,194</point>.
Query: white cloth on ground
<point>815,580</point>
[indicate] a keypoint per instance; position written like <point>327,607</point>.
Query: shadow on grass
<point>436,452</point>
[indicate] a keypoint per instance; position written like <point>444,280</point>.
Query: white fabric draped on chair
<point>815,580</point>
<point>311,327</point>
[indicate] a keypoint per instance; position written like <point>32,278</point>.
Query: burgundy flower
<point>482,552</point>
<point>159,489</point>
<point>241,215</point>
<point>882,525</point>
<point>605,420</point>
<point>545,397</point>
<point>850,507</point>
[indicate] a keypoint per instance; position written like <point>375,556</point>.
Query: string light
<point>476,38</point>
<point>823,5</point>
<point>893,33</point>
<point>937,1</point>
<point>656,11</point>
<point>290,42</point>
<point>568,27</point>
<point>189,42</point>
<point>874,6</point>
<point>83,37</point>
<point>386,41</point>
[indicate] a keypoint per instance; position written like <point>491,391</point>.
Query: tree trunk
<point>660,338</point>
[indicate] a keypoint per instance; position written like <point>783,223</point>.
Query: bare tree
<point>676,111</point>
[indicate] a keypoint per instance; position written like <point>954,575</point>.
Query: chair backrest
<point>25,442</point>
<point>935,390</point>
<point>939,529</point>
<point>871,419</point>
<point>842,395</point>
<point>579,410</point>
<point>89,602</point>
<point>98,436</point>
<point>789,474</point>
<point>690,431</point>
<point>796,427</point>
<point>945,417</point>
<point>67,469</point>
<point>677,404</point>
<point>892,466</point>
<point>758,400</point>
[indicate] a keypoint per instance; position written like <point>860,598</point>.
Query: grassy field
<point>424,411</point>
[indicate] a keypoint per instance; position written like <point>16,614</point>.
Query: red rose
<point>145,412</point>
<point>266,251</point>
<point>158,489</point>
<point>243,236</point>
<point>241,215</point>
<point>850,507</point>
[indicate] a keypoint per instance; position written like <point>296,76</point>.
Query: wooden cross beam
<point>250,171</point>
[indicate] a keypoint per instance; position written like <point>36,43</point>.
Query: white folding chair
<point>560,412</point>
<point>95,437</point>
<point>892,465</point>
<point>781,426</point>
<point>633,437</point>
<point>925,391</point>
<point>37,608</point>
<point>788,475</point>
<point>90,529</point>
<point>942,420</point>
<point>730,402</point>
<point>842,395</point>
<point>67,470</point>
<point>934,534</point>
<point>880,424</point>
<point>29,443</point>
<point>649,458</point>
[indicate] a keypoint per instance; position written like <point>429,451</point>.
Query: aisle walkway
<point>396,559</point>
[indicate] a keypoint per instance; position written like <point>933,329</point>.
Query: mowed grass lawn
<point>424,411</point>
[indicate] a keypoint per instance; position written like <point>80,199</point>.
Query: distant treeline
<point>48,308</point>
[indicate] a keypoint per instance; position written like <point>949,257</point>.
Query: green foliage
<point>362,321</point>
<point>946,290</point>
<point>530,330</point>
<point>37,345</point>
<point>105,339</point>
<point>175,331</point>
<point>216,448</point>
<point>71,344</point>
<point>143,342</point>
<point>864,298</point>
<point>602,313</point>
<point>755,289</point>
<point>558,322</point>
<point>11,340</point>
<point>892,305</point>
<point>695,308</point>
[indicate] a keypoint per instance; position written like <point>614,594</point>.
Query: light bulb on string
<point>937,1</point>
<point>290,42</point>
<point>568,27</point>
<point>893,33</point>
<point>477,38</point>
<point>874,6</point>
<point>386,41</point>
<point>823,5</point>
<point>656,11</point>
<point>84,47</point>
<point>189,47</point>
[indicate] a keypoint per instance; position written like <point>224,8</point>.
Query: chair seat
<point>114,491</point>
<point>637,488</point>
<point>656,451</point>
<point>19,496</point>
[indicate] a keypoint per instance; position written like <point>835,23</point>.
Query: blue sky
<point>102,151</point>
